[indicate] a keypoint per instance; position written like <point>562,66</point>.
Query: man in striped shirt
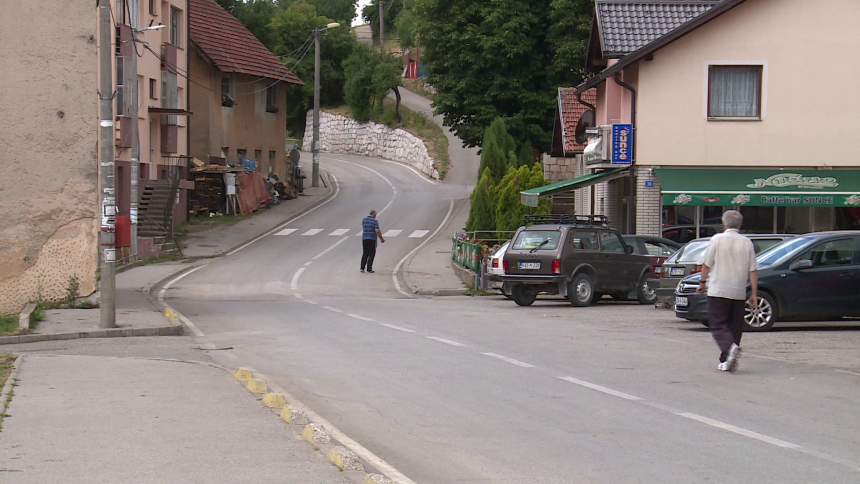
<point>369,232</point>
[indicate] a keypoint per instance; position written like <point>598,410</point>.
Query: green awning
<point>530,197</point>
<point>760,188</point>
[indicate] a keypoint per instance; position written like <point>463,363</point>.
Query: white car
<point>495,268</point>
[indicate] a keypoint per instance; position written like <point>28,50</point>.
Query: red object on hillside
<point>123,231</point>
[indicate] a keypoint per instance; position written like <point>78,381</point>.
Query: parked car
<point>579,257</point>
<point>685,233</point>
<point>657,249</point>
<point>688,260</point>
<point>495,269</point>
<point>812,276</point>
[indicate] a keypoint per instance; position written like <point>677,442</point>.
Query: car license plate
<point>529,265</point>
<point>680,301</point>
<point>676,271</point>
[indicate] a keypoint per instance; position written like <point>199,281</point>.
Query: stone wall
<point>648,203</point>
<point>49,132</point>
<point>559,169</point>
<point>340,134</point>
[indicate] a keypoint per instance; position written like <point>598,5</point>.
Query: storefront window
<point>757,220</point>
<point>794,220</point>
<point>847,218</point>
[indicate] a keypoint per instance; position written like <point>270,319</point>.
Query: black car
<point>812,276</point>
<point>580,257</point>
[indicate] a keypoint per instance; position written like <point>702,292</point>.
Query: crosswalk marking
<point>418,234</point>
<point>286,231</point>
<point>313,232</point>
<point>339,232</point>
<point>392,233</point>
<point>415,234</point>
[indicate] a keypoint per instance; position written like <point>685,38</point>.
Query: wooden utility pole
<point>107,195</point>
<point>381,25</point>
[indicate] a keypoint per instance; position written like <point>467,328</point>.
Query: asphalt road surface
<point>478,390</point>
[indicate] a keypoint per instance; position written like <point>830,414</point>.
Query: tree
<point>255,15</point>
<point>359,87</point>
<point>405,25</point>
<point>496,59</point>
<point>291,31</point>
<point>370,14</point>
<point>526,156</point>
<point>509,211</point>
<point>482,213</point>
<point>342,11</point>
<point>496,152</point>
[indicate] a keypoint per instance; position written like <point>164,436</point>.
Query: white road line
<point>329,249</point>
<point>332,309</point>
<point>392,233</point>
<point>339,232</point>
<point>294,284</point>
<point>599,388</point>
<point>359,317</point>
<point>312,232</point>
<point>298,296</point>
<point>849,372</point>
<point>187,322</point>
<point>311,302</point>
<point>421,175</point>
<point>446,341</point>
<point>380,175</point>
<point>398,328</point>
<point>308,263</point>
<point>418,234</point>
<point>279,227</point>
<point>738,430</point>
<point>509,360</point>
<point>416,249</point>
<point>286,231</point>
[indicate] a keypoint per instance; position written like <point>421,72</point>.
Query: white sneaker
<point>724,366</point>
<point>734,356</point>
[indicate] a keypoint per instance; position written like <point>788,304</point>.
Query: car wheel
<point>521,296</point>
<point>762,317</point>
<point>581,290</point>
<point>644,293</point>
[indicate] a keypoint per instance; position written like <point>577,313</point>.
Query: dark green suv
<point>579,257</point>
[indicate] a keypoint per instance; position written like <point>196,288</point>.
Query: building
<point>238,95</point>
<point>724,117</point>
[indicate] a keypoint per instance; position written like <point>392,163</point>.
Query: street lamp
<point>315,147</point>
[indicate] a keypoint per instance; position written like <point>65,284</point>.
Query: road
<point>469,390</point>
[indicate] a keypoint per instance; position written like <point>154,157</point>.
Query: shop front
<point>793,201</point>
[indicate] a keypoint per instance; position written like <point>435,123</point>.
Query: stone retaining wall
<point>340,134</point>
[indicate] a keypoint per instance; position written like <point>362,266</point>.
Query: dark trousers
<point>368,253</point>
<point>726,322</point>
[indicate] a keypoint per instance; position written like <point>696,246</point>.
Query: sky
<point>361,4</point>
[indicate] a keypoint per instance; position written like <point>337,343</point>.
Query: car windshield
<point>777,252</point>
<point>537,239</point>
<point>692,252</point>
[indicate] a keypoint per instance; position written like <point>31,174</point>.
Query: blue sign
<point>649,183</point>
<point>622,144</point>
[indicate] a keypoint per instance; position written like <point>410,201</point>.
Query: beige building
<point>239,94</point>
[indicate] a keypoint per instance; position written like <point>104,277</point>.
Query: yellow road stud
<point>257,386</point>
<point>287,414</point>
<point>242,374</point>
<point>274,400</point>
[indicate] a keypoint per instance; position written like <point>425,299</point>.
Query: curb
<point>413,288</point>
<point>171,330</point>
<point>10,382</point>
<point>356,462</point>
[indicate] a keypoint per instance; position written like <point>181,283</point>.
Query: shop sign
<point>740,199</point>
<point>782,180</point>
<point>622,144</point>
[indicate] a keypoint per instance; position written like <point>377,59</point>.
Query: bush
<point>496,150</point>
<point>482,214</point>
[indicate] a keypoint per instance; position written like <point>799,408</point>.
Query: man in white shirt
<point>730,262</point>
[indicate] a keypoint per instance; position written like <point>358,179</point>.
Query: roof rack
<point>566,219</point>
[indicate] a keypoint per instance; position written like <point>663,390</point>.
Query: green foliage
<point>342,11</point>
<point>369,77</point>
<point>496,148</point>
<point>502,59</point>
<point>8,323</point>
<point>509,210</point>
<point>482,213</point>
<point>255,15</point>
<point>291,28</point>
<point>72,290</point>
<point>405,25</point>
<point>526,156</point>
<point>370,13</point>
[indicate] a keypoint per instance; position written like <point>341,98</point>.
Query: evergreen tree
<point>482,213</point>
<point>526,157</point>
<point>509,211</point>
<point>496,148</point>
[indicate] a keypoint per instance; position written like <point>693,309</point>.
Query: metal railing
<point>470,251</point>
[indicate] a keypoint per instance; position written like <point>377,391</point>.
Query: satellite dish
<point>586,120</point>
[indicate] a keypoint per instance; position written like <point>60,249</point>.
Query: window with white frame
<point>169,97</point>
<point>735,91</point>
<point>175,26</point>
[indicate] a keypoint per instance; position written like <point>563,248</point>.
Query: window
<point>734,91</point>
<point>227,92</point>
<point>169,97</point>
<point>175,23</point>
<point>258,155</point>
<point>271,158</point>
<point>658,248</point>
<point>121,97</point>
<point>271,99</point>
<point>241,155</point>
<point>537,239</point>
<point>152,4</point>
<point>833,253</point>
<point>128,12</point>
<point>153,88</point>
<point>611,242</point>
<point>585,240</point>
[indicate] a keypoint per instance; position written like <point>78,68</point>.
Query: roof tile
<point>570,110</point>
<point>232,47</point>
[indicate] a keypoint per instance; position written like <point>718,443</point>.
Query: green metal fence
<point>470,254</point>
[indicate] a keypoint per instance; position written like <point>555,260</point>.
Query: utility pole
<point>316,142</point>
<point>135,144</point>
<point>381,26</point>
<point>107,196</point>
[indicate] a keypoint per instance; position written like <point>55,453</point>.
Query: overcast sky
<point>361,4</point>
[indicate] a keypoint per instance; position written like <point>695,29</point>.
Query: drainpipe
<point>593,110</point>
<point>631,206</point>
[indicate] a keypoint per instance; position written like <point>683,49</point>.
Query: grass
<point>169,257</point>
<point>6,361</point>
<point>414,123</point>
<point>416,86</point>
<point>8,323</point>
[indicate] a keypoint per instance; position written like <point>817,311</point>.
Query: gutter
<point>631,205</point>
